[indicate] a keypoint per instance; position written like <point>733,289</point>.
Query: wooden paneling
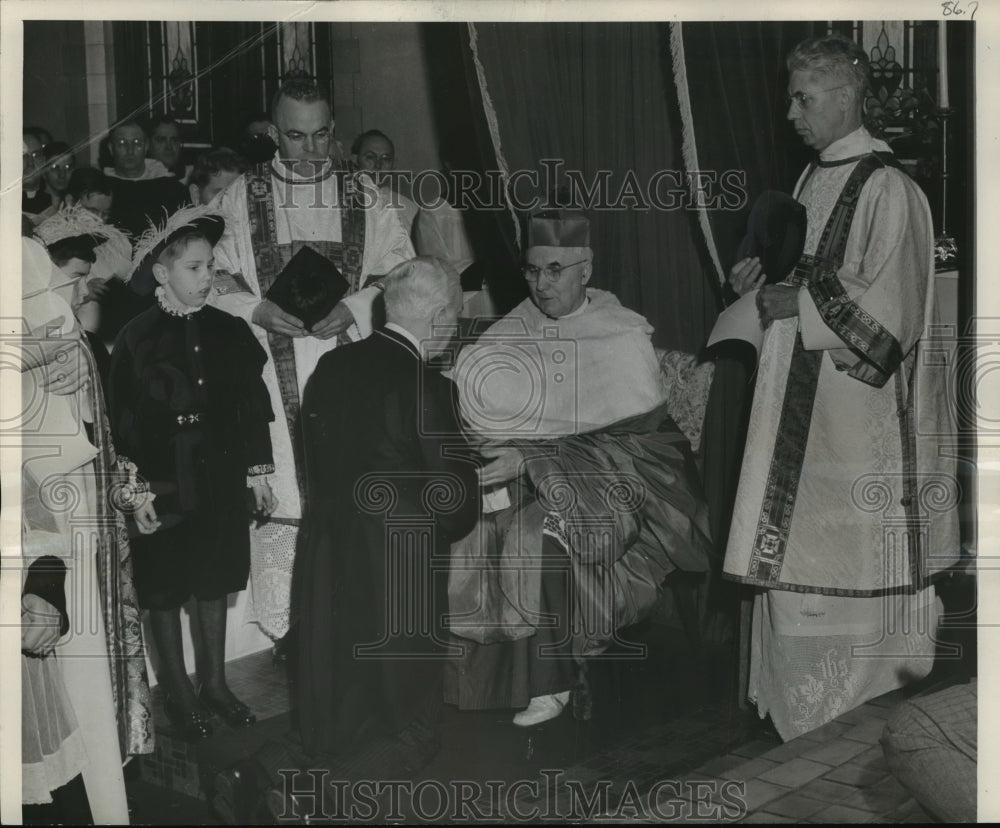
<point>55,80</point>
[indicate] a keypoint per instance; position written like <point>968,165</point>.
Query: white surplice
<point>824,640</point>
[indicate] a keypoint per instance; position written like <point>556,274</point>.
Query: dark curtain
<point>598,97</point>
<point>55,82</point>
<point>131,78</point>
<point>737,81</point>
<point>464,144</point>
<point>234,85</point>
<point>131,70</point>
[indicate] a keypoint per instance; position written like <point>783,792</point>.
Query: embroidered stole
<point>119,603</point>
<point>270,258</point>
<point>879,356</point>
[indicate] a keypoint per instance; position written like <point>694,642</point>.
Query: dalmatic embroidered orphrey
<point>847,487</point>
<point>270,258</point>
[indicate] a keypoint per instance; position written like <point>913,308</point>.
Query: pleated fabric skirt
<point>52,750</point>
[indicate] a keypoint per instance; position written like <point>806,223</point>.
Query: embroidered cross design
<point>769,544</point>
<point>258,188</point>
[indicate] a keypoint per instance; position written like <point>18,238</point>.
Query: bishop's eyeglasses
<point>553,272</point>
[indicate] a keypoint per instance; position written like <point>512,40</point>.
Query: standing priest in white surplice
<point>847,499</point>
<point>300,198</point>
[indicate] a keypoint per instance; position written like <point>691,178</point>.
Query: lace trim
<point>167,307</point>
<point>132,491</point>
<point>555,527</point>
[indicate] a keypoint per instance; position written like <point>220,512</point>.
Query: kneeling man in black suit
<point>390,486</point>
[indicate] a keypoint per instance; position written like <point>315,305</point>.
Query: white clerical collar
<point>859,142</point>
<point>151,169</point>
<point>392,326</point>
<point>310,174</point>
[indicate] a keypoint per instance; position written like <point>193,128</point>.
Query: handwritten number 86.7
<point>955,7</point>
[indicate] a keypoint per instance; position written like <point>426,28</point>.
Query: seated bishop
<point>590,493</point>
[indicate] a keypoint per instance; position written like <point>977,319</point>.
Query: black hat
<point>776,233</point>
<point>153,242</point>
<point>308,287</point>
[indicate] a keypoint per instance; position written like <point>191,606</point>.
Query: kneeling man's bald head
<point>418,288</point>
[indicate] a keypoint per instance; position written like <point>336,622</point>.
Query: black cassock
<point>390,485</point>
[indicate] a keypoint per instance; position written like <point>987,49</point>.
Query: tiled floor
<point>665,744</point>
<point>834,774</point>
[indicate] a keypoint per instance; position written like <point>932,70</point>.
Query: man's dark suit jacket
<point>137,202</point>
<point>385,500</point>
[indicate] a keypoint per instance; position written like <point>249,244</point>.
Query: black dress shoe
<point>193,724</point>
<point>232,711</point>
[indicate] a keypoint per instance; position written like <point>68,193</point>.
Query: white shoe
<point>541,709</point>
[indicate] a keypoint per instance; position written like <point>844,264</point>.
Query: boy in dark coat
<point>189,407</point>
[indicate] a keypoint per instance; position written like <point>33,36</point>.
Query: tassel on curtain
<point>491,120</point>
<point>690,149</point>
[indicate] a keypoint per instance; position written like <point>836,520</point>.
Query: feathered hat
<point>152,242</point>
<point>111,246</point>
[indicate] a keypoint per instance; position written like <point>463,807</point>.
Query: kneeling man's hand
<point>505,465</point>
<point>335,322</point>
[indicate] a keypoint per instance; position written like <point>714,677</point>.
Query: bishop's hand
<point>505,465</point>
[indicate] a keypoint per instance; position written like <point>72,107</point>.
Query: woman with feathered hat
<point>89,253</point>
<point>81,714</point>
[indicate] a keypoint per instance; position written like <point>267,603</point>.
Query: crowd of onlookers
<point>145,174</point>
<point>143,177</point>
<point>132,152</point>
